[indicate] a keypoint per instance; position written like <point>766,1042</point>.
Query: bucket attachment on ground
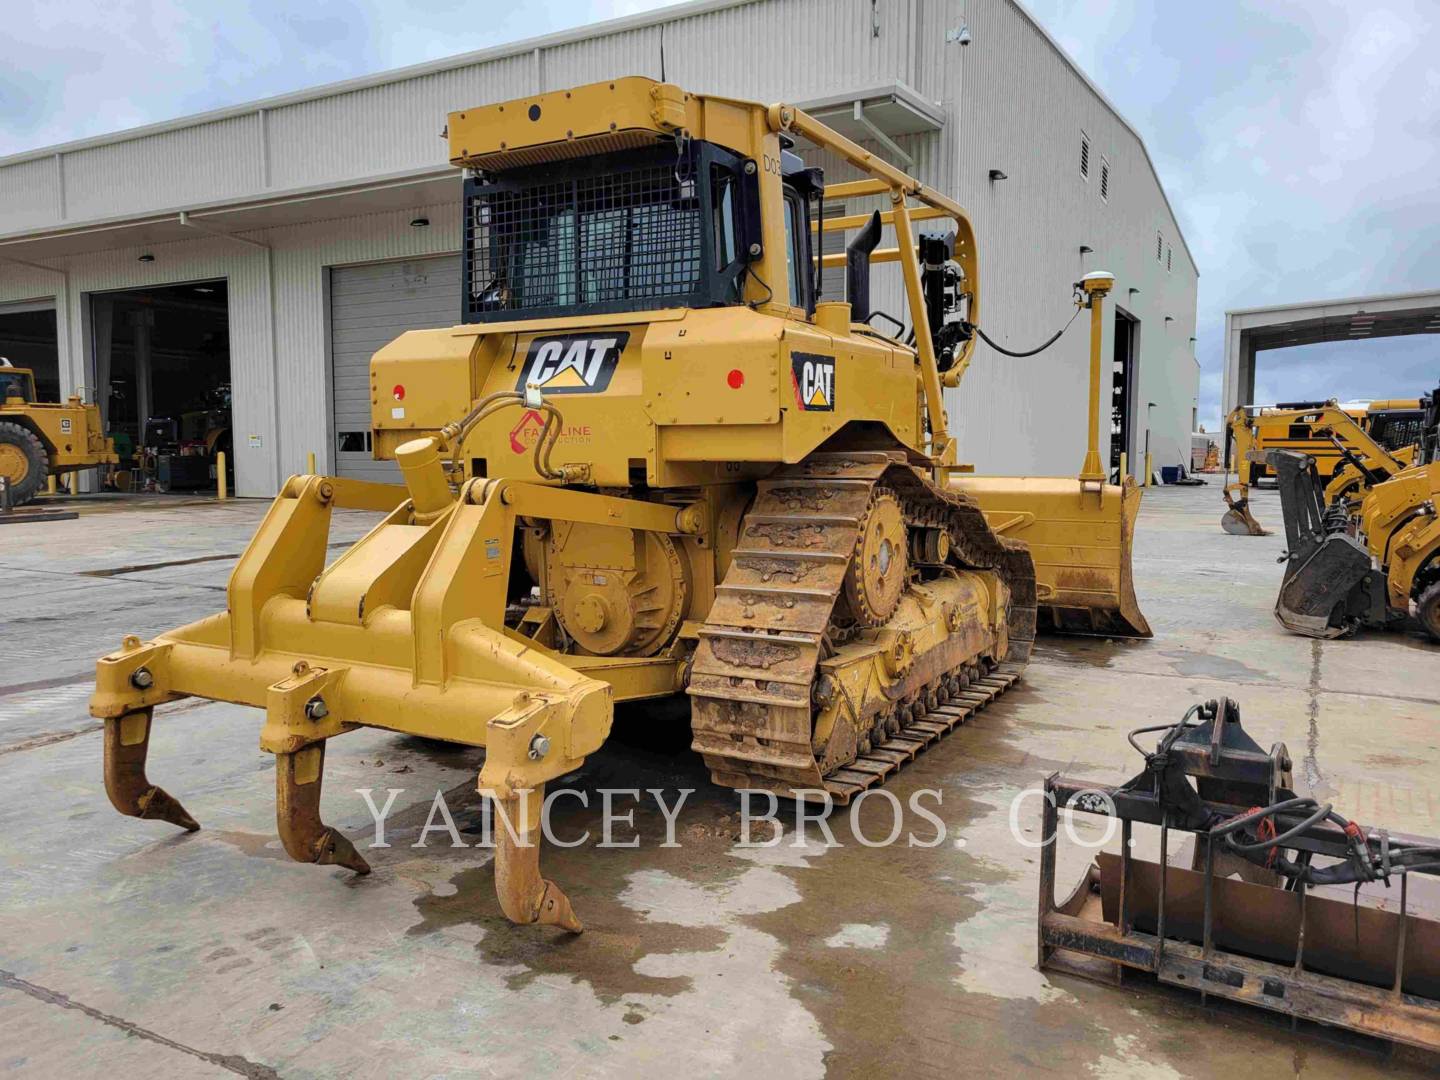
<point>1080,534</point>
<point>1270,912</point>
<point>1237,519</point>
<point>1330,586</point>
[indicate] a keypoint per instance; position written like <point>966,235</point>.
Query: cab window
<point>796,245</point>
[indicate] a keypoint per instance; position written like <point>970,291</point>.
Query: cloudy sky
<point>1299,140</point>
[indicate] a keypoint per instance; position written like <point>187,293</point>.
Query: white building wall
<point>1011,100</point>
<point>1021,109</point>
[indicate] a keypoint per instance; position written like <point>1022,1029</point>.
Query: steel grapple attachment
<point>1270,911</point>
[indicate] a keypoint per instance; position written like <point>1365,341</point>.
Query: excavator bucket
<point>1080,534</point>
<point>1281,905</point>
<point>1237,519</point>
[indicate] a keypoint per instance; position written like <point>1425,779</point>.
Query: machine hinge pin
<point>539,747</point>
<point>141,679</point>
<point>316,709</point>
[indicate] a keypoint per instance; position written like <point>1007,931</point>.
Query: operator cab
<point>667,224</point>
<point>17,385</point>
<point>673,223</point>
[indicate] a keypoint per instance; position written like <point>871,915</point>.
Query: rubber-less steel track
<point>754,670</point>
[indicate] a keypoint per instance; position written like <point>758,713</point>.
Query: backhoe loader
<point>1348,460</point>
<point>1365,563</point>
<point>650,461</point>
<point>39,439</point>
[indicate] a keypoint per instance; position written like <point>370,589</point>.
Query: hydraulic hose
<point>454,434</point>
<point>1362,865</point>
<point>1028,352</point>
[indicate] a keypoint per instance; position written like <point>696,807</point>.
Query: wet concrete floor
<point>127,948</point>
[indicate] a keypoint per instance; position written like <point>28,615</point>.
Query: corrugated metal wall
<point>1013,103</point>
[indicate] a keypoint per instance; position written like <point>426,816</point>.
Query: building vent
<point>1084,155</point>
<point>1168,253</point>
<point>1104,180</point>
<point>1159,247</point>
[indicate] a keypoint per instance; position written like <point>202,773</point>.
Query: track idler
<point>127,743</point>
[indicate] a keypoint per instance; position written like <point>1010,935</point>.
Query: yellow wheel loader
<point>40,439</point>
<point>1370,563</point>
<point>1348,460</point>
<point>649,462</point>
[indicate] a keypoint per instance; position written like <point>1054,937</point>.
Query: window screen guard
<point>627,231</point>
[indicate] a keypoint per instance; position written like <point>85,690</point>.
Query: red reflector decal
<point>399,392</point>
<point>736,379</point>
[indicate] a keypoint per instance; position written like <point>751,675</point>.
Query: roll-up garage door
<point>369,307</point>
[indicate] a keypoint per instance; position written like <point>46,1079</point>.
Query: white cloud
<point>1299,141</point>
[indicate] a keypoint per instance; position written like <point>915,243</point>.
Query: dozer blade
<point>1080,537</point>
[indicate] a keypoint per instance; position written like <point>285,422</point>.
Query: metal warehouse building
<point>252,259</point>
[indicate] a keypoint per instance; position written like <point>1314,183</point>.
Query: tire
<point>23,461</point>
<point>1427,609</point>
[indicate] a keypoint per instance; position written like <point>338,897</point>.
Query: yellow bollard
<point>1124,466</point>
<point>50,484</point>
<point>222,487</point>
<point>310,463</point>
<point>1148,468</point>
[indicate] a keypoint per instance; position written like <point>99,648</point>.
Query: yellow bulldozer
<point>40,439</point>
<point>651,461</point>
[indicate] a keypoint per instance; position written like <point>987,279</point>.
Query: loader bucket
<point>1080,536</point>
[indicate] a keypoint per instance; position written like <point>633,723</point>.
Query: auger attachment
<point>127,742</point>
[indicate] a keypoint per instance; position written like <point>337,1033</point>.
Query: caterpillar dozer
<point>1366,563</point>
<point>650,461</point>
<point>1270,913</point>
<point>1348,460</point>
<point>40,439</point>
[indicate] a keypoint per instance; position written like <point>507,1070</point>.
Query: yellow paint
<point>416,627</point>
<point>1250,433</point>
